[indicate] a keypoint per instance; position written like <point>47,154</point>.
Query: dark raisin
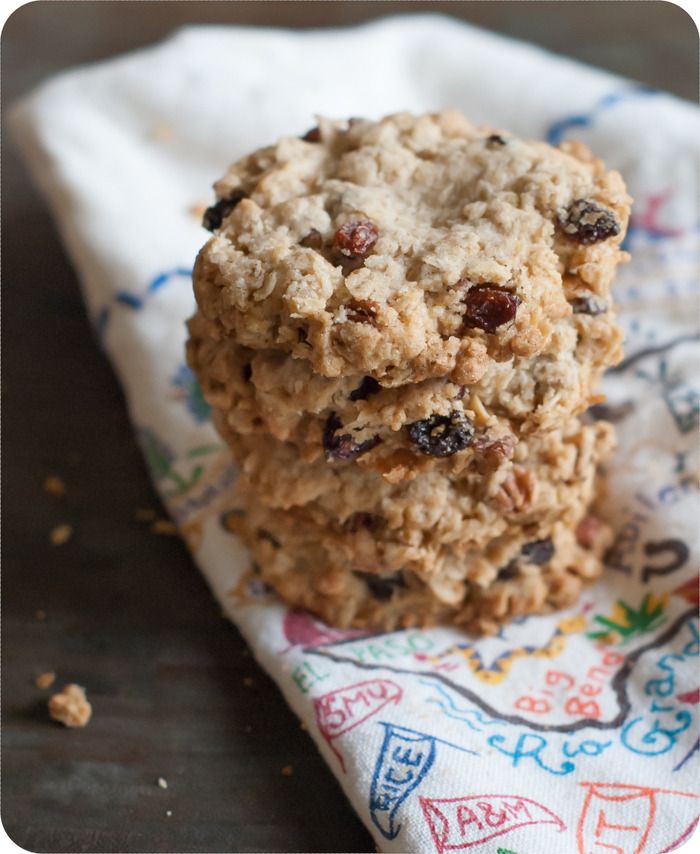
<point>247,372</point>
<point>363,521</point>
<point>356,239</point>
<point>589,305</point>
<point>266,535</point>
<point>610,411</point>
<point>362,310</point>
<point>489,306</point>
<point>588,222</point>
<point>381,587</point>
<point>495,141</point>
<point>313,240</point>
<point>313,135</point>
<point>538,551</point>
<point>349,265</point>
<point>367,387</point>
<point>442,435</point>
<point>343,446</point>
<point>508,572</point>
<point>215,215</point>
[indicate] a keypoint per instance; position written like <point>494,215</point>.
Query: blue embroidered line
<point>558,129</point>
<point>162,278</point>
<point>131,300</point>
<point>136,302</point>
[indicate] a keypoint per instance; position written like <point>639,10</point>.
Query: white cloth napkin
<point>572,732</point>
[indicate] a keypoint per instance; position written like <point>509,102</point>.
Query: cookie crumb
<point>197,210</point>
<point>45,680</point>
<point>40,615</point>
<point>168,813</point>
<point>161,132</point>
<point>247,681</point>
<point>144,514</point>
<point>303,727</point>
<point>162,783</point>
<point>70,706</point>
<point>164,526</point>
<point>288,770</point>
<point>54,485</point>
<point>60,534</point>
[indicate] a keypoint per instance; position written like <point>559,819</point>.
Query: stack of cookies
<point>400,323</point>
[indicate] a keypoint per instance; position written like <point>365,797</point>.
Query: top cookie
<point>409,248</point>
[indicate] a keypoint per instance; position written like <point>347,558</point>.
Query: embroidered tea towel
<point>575,732</point>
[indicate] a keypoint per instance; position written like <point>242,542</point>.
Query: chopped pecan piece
<point>362,310</point>
<point>516,492</point>
<point>495,451</point>
<point>588,531</point>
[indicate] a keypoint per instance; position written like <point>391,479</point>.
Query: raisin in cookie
<point>399,323</point>
<point>515,574</point>
<point>549,478</point>
<point>411,248</point>
<point>413,427</point>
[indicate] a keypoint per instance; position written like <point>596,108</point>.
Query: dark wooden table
<point>126,612</point>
